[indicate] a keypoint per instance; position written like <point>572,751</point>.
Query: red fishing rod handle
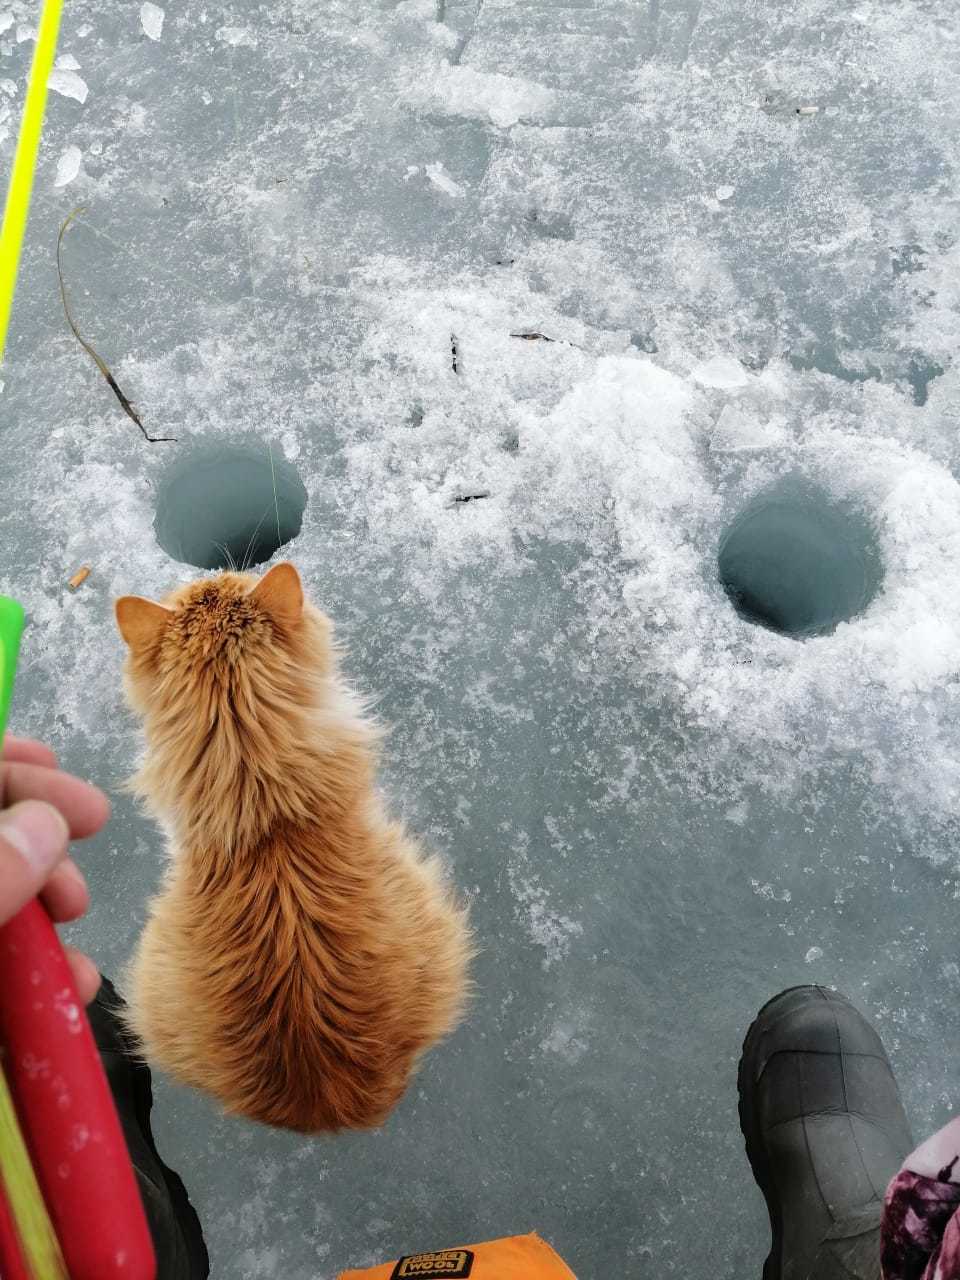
<point>65,1108</point>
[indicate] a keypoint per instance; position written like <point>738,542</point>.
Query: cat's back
<point>309,972</point>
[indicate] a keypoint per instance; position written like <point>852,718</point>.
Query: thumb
<point>33,839</point>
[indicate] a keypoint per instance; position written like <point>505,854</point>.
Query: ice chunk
<point>151,19</point>
<point>68,84</point>
<point>68,166</point>
<point>442,180</point>
<point>67,62</point>
<point>738,430</point>
<point>723,372</point>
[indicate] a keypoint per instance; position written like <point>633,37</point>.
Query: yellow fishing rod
<point>17,205</point>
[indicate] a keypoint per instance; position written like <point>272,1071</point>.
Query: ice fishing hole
<point>226,505</point>
<point>797,562</point>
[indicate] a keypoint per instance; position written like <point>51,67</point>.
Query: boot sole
<point>750,1127</point>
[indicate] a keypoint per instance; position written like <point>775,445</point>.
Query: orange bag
<point>514,1258</point>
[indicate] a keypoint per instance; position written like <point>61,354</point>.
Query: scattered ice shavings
<point>68,166</point>
<point>724,193</point>
<point>151,19</point>
<point>463,91</point>
<point>738,813</point>
<point>481,695</point>
<point>723,372</point>
<point>441,179</point>
<point>130,116</point>
<point>548,929</point>
<point>815,953</point>
<point>84,31</point>
<point>767,891</point>
<point>68,84</point>
<point>67,62</point>
<point>9,87</point>
<point>239,37</point>
<point>564,1042</point>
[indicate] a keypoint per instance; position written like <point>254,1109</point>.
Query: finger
<point>65,895</point>
<point>28,751</point>
<point>85,974</point>
<point>84,807</point>
<point>33,839</point>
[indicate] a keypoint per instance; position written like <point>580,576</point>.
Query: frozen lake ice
<point>537,299</point>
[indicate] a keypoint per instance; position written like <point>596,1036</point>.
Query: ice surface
<point>667,286</point>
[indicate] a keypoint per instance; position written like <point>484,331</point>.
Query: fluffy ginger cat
<point>303,952</point>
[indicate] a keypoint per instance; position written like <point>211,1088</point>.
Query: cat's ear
<point>280,593</point>
<point>140,620</point>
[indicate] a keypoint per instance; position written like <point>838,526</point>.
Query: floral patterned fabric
<point>920,1236</point>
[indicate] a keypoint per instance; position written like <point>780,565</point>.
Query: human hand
<point>41,809</point>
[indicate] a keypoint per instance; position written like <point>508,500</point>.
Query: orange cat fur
<point>303,952</point>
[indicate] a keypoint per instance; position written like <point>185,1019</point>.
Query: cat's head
<point>219,634</point>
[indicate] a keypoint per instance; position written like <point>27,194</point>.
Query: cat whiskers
<point>245,565</point>
<point>228,555</point>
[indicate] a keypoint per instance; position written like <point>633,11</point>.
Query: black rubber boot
<point>174,1225</point>
<point>825,1132</point>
